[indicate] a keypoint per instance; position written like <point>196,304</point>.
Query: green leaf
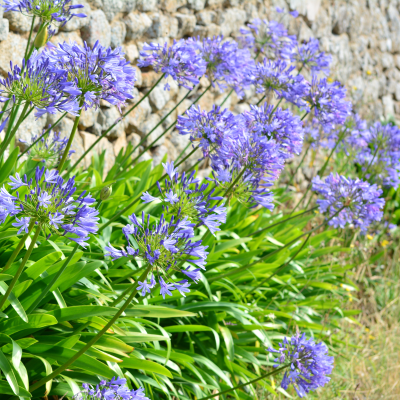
<point>36,269</point>
<point>8,233</point>
<point>36,321</point>
<point>6,389</point>
<point>148,366</point>
<point>5,367</point>
<point>6,169</point>
<point>227,335</point>
<point>158,312</point>
<point>78,312</point>
<point>14,302</point>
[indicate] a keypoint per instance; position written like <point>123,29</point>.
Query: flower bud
<point>41,38</point>
<point>105,193</point>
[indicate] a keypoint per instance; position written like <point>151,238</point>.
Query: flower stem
<point>43,135</point>
<point>64,366</point>
<point>29,38</point>
<point>71,137</point>
<point>19,247</point>
<point>21,118</point>
<point>21,267</point>
<point>134,201</point>
<point>113,125</point>
<point>246,383</point>
<point>53,281</point>
<point>298,166</point>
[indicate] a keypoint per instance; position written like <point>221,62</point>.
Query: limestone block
<point>118,33</point>
<point>97,28</point>
<point>12,49</point>
<point>136,25</point>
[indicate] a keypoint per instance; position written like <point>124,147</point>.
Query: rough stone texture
<point>362,36</point>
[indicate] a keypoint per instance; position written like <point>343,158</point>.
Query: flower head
<point>210,128</point>
<point>39,85</point>
<point>348,201</point>
<point>164,246</point>
<point>309,55</point>
<point>186,198</point>
<point>280,125</point>
<point>269,38</point>
<point>95,73</point>
<point>48,149</point>
<point>180,61</point>
<point>116,389</point>
<point>49,201</point>
<point>48,11</point>
<point>309,363</point>
<point>227,63</point>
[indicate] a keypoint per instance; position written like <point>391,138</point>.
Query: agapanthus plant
<point>207,128</point>
<point>309,55</point>
<point>227,64</point>
<point>116,389</point>
<point>180,61</point>
<point>165,247</point>
<point>278,77</point>
<point>49,201</point>
<point>269,38</point>
<point>48,149</point>
<point>328,102</point>
<point>377,151</point>
<point>60,11</point>
<point>278,124</point>
<point>308,362</point>
<point>186,198</point>
<point>349,201</point>
<point>39,85</point>
<point>93,74</point>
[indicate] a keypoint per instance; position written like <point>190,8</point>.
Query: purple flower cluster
<point>39,85</point>
<point>277,76</point>
<point>328,102</point>
<point>269,38</point>
<point>348,201</point>
<point>48,11</point>
<point>377,151</point>
<point>187,199</point>
<point>209,128</point>
<point>309,55</point>
<point>93,74</point>
<point>165,246</point>
<point>116,389</point>
<point>48,149</point>
<point>49,201</point>
<point>308,362</point>
<point>278,124</point>
<point>227,64</point>
<point>181,61</point>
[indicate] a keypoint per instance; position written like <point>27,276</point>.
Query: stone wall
<point>362,35</point>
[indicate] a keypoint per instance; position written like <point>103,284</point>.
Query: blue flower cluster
<point>116,389</point>
<point>48,201</point>
<point>308,362</point>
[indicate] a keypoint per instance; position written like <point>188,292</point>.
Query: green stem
<point>21,267</point>
<point>231,187</point>
<point>298,166</point>
<point>134,201</point>
<point>29,38</point>
<point>43,135</point>
<point>281,222</point>
<point>53,281</point>
<point>19,247</point>
<point>237,270</point>
<point>71,137</point>
<point>83,350</point>
<point>41,27</point>
<point>226,98</point>
<point>370,163</point>
<point>246,383</point>
<point>104,134</point>
<point>12,133</point>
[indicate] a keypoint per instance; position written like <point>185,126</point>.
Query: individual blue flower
<point>308,362</point>
<point>22,223</point>
<point>328,100</point>
<point>309,55</point>
<point>38,84</point>
<point>377,151</point>
<point>279,124</point>
<point>269,38</point>
<point>186,198</point>
<point>52,205</point>
<point>227,64</point>
<point>102,73</point>
<point>47,10</point>
<point>163,246</point>
<point>208,128</point>
<point>277,76</point>
<point>180,61</point>
<point>348,201</point>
